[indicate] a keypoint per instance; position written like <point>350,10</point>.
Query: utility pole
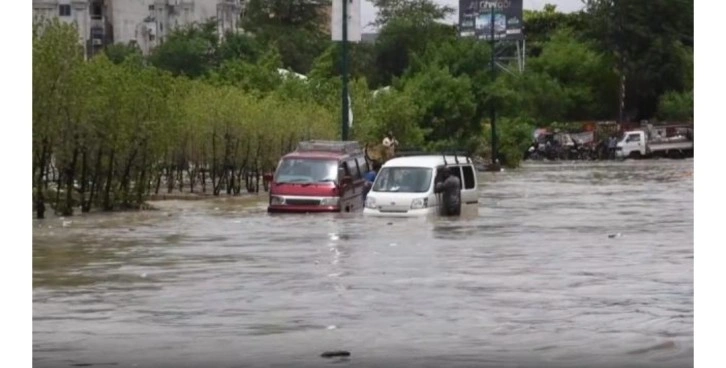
<point>344,68</point>
<point>492,108</point>
<point>621,62</point>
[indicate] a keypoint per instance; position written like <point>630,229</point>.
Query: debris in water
<point>615,235</point>
<point>132,229</point>
<point>67,223</point>
<point>393,244</point>
<point>332,327</point>
<point>143,275</point>
<point>390,223</point>
<point>333,354</point>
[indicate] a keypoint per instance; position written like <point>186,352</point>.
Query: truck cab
<point>633,144</point>
<point>319,176</point>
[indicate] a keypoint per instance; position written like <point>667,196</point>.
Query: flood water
<point>566,265</point>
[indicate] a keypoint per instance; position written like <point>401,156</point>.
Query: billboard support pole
<point>492,108</point>
<point>344,70</point>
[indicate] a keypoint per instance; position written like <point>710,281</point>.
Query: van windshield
<point>403,179</point>
<point>306,170</point>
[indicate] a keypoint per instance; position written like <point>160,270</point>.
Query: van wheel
<point>634,155</point>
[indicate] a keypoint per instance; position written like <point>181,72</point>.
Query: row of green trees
<point>111,130</point>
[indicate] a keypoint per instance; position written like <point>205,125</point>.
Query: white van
<point>405,185</point>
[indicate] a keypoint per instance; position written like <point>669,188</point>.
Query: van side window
<point>363,165</point>
<point>469,182</point>
<point>343,169</point>
<point>634,138</point>
<point>353,169</point>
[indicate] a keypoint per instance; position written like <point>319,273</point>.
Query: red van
<point>320,176</point>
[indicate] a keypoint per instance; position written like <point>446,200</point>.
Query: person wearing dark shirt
<point>450,189</point>
<point>370,177</point>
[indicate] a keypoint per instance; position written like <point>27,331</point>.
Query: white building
<point>145,22</point>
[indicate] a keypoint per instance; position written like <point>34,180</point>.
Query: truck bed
<point>672,145</point>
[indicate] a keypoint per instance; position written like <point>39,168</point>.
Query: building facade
<point>143,22</point>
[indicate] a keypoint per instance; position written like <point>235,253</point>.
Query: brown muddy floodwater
<point>534,280</point>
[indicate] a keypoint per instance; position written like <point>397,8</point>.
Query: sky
<point>368,12</point>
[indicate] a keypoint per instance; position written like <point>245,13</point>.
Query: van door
<point>469,192</point>
<point>352,199</point>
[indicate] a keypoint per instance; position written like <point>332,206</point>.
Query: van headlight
<point>330,201</point>
<point>276,200</point>
<point>419,203</point>
<point>371,202</point>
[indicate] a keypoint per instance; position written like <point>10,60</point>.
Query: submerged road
<point>566,265</point>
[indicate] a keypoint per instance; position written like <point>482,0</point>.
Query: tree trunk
<point>94,181</point>
<point>70,171</point>
<point>141,186</point>
<point>107,206</point>
<point>40,197</point>
<point>213,174</point>
<point>84,174</point>
<point>126,178</point>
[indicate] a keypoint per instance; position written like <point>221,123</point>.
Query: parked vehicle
<point>405,185</point>
<point>320,176</point>
<point>641,143</point>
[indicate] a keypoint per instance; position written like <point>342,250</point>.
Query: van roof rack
<point>329,146</point>
<point>465,156</point>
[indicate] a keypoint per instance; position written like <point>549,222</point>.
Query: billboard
<point>475,19</point>
<point>354,29</point>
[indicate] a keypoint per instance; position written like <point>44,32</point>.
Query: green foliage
<point>119,52</point>
<point>585,76</point>
<point>447,105</point>
<point>240,46</point>
<point>293,27</point>
<point>188,51</point>
<point>675,106</point>
<point>402,37</point>
<point>513,136</point>
<point>653,38</point>
<point>422,10</point>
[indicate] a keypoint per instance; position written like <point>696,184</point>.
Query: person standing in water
<point>450,189</point>
<point>370,177</point>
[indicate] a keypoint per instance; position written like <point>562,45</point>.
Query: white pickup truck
<point>638,144</point>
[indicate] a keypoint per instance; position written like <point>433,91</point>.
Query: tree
<point>118,52</point>
<point>400,39</point>
<point>586,76</point>
<point>447,105</point>
<point>189,51</point>
<point>541,25</point>
<point>675,106</point>
<point>423,10</point>
<point>239,46</point>
<point>648,47</point>
<point>292,26</point>
<point>56,59</point>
